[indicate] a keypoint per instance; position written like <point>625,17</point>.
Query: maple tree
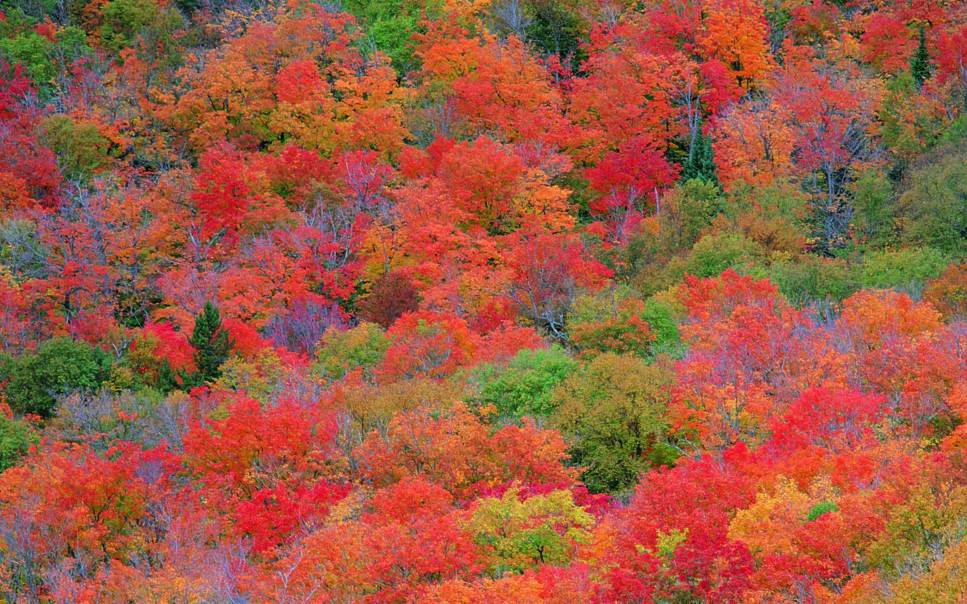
<point>548,268</point>
<point>829,125</point>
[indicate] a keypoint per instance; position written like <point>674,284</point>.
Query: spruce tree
<point>211,344</point>
<point>702,162</point>
<point>920,66</point>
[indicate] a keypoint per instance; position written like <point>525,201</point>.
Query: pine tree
<point>211,345</point>
<point>920,66</point>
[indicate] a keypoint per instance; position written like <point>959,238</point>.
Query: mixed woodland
<point>483,301</point>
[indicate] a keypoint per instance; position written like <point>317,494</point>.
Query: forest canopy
<point>483,301</point>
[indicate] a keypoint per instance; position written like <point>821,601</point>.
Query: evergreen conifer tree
<point>211,344</point>
<point>920,66</point>
<point>701,164</point>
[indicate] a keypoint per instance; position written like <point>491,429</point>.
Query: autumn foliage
<point>483,302</point>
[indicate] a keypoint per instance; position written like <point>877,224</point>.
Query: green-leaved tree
<point>59,367</point>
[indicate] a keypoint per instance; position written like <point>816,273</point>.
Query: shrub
<point>525,386</point>
<point>60,366</point>
<point>391,295</point>
<point>806,278</point>
<point>611,320</point>
<point>43,59</point>
<point>612,413</point>
<point>124,20</point>
<point>623,330</point>
<point>16,437</point>
<point>663,320</point>
<point>715,253</point>
<point>948,293</point>
<point>688,211</point>
<point>81,148</point>
<point>361,347</point>
<point>933,211</point>
<point>905,269</point>
<point>873,209</point>
<point>820,509</point>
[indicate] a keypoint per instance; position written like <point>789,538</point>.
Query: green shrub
<point>663,320</point>
<point>524,387</point>
<point>820,509</point>
<point>80,147</point>
<point>715,253</point>
<point>806,278</point>
<point>361,347</point>
<point>391,25</point>
<point>955,132</point>
<point>7,363</point>
<point>60,366</point>
<point>933,211</point>
<point>689,210</point>
<point>557,29</point>
<point>124,20</point>
<point>31,51</point>
<point>612,413</point>
<point>16,437</point>
<point>873,209</point>
<point>43,59</point>
<point>21,249</point>
<point>904,269</point>
<point>908,127</point>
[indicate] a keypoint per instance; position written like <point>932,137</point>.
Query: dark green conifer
<point>211,344</point>
<point>920,66</point>
<point>701,162</point>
